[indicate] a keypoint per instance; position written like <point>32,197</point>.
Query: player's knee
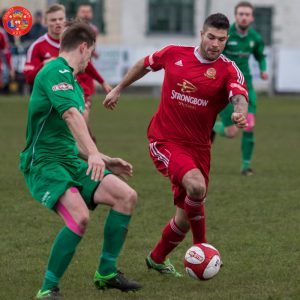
<point>129,200</point>
<point>196,190</point>
<point>83,221</point>
<point>231,131</point>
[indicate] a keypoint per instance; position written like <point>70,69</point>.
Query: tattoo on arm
<point>240,104</point>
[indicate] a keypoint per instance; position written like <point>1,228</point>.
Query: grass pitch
<point>254,222</point>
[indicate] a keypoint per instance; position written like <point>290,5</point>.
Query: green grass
<point>254,222</point>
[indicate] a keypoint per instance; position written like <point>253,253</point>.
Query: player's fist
<point>264,75</point>
<point>239,120</point>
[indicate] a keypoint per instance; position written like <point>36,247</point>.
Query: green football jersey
<point>240,47</point>
<point>48,138</point>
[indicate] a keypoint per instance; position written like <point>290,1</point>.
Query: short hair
<point>243,4</point>
<point>218,21</point>
<point>54,8</point>
<point>84,4</point>
<point>75,34</point>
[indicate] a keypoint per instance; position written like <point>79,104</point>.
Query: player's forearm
<point>91,70</point>
<point>135,73</point>
<point>240,104</point>
<point>78,127</point>
<point>262,64</point>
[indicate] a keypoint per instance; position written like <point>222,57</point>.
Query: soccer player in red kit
<point>46,48</point>
<point>198,83</point>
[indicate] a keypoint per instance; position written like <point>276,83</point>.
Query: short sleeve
<point>60,89</point>
<point>235,84</point>
<point>157,60</point>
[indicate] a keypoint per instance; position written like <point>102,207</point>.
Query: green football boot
<point>115,281</point>
<point>52,294</point>
<point>165,268</point>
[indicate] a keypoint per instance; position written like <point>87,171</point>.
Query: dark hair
<point>84,4</point>
<point>75,34</point>
<point>218,21</point>
<point>243,4</point>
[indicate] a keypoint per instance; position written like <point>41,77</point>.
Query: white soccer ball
<point>202,261</point>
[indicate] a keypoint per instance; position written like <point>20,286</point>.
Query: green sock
<point>62,251</point>
<point>247,149</point>
<point>115,231</point>
<point>219,128</point>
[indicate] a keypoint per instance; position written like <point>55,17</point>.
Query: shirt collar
<point>198,55</point>
<point>65,62</point>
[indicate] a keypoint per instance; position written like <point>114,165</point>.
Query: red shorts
<point>174,161</point>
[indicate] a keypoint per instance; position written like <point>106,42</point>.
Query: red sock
<point>172,235</point>
<point>195,213</point>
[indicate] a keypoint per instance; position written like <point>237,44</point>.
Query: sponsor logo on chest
<point>187,100</point>
<point>187,87</point>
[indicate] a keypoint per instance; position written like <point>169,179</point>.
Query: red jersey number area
<point>194,91</point>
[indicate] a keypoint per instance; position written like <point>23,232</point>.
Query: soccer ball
<point>202,261</point>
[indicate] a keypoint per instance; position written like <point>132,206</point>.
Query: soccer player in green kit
<point>243,41</point>
<point>56,176</point>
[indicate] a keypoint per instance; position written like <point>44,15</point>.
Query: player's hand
<point>106,87</point>
<point>111,99</point>
<point>264,75</point>
<point>96,166</point>
<point>119,167</point>
<point>239,120</point>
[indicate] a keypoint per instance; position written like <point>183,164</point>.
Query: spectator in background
<point>7,71</point>
<point>37,30</point>
<point>11,38</point>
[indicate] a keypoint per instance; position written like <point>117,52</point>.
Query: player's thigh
<point>113,191</point>
<point>48,182</point>
<point>71,205</point>
<point>88,186</point>
<point>225,115</point>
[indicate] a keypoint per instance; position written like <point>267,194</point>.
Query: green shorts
<point>48,182</point>
<point>226,113</point>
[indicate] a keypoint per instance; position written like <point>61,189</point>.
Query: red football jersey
<point>46,47</point>
<point>43,48</point>
<point>194,91</point>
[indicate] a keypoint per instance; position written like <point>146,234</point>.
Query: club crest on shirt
<point>187,87</point>
<point>63,86</point>
<point>211,73</point>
